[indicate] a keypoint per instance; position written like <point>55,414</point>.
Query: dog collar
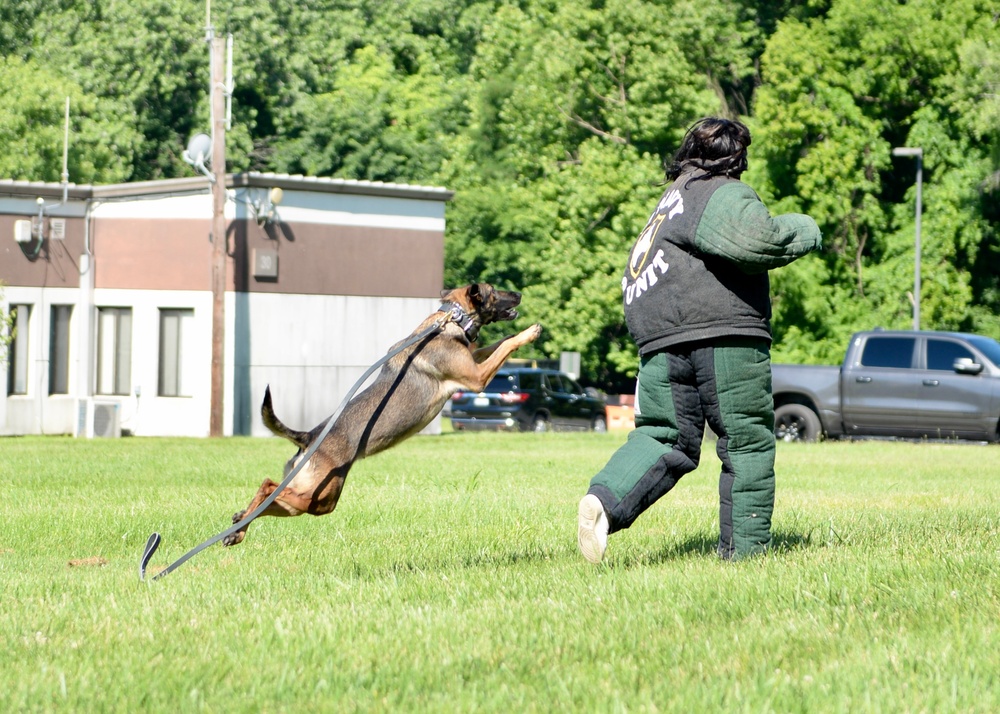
<point>461,318</point>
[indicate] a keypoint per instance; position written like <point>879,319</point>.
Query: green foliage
<point>838,93</point>
<point>550,118</point>
<point>574,285</point>
<point>577,109</point>
<point>373,124</point>
<point>32,127</point>
<point>146,56</point>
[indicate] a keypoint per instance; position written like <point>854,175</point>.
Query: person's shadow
<point>782,542</point>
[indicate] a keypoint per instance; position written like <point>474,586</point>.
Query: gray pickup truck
<point>910,384</point>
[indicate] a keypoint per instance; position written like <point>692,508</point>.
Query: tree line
<point>550,119</point>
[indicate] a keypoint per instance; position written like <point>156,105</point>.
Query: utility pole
<point>219,238</point>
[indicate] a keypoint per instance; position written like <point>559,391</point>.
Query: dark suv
<point>530,400</point>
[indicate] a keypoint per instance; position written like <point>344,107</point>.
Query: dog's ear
<point>481,293</point>
<point>445,293</point>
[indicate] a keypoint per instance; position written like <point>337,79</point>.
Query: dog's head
<point>484,302</point>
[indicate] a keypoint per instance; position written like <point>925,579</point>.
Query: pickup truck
<point>909,384</point>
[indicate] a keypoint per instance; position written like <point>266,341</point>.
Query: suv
<point>529,399</point>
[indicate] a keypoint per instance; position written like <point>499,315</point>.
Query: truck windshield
<point>989,347</point>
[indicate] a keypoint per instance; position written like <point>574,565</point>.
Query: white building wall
<point>295,207</point>
<point>311,349</point>
<point>143,411</point>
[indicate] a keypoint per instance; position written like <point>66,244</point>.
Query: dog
<point>409,391</point>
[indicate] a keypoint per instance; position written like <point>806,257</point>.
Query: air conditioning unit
<point>98,419</point>
<point>107,419</point>
<point>22,231</point>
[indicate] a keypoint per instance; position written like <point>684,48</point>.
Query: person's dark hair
<point>717,146</point>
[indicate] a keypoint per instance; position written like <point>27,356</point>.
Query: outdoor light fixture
<point>265,207</point>
<point>39,230</point>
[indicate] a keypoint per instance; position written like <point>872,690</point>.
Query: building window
<point>17,351</point>
<point>59,349</point>
<point>175,350</point>
<point>114,350</point>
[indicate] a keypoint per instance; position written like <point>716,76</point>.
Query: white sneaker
<point>592,528</point>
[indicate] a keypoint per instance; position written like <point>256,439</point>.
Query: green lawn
<point>448,580</point>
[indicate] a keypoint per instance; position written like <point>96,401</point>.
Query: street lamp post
<point>918,154</point>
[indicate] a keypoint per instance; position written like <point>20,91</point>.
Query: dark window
<point>941,354</point>
<point>570,386</point>
<point>17,350</point>
<point>530,382</point>
<point>59,349</point>
<point>888,352</point>
<point>502,383</point>
<point>555,383</point>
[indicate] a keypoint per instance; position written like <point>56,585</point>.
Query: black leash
<point>154,540</point>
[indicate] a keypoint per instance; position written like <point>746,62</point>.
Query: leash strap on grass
<point>154,540</point>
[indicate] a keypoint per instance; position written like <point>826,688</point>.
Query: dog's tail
<point>299,438</point>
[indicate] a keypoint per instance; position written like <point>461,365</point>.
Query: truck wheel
<point>599,424</point>
<point>795,422</point>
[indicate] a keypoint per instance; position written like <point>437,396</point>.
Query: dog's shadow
<point>524,556</point>
<point>493,561</point>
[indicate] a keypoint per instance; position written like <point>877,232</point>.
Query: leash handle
<point>154,540</point>
<point>151,545</point>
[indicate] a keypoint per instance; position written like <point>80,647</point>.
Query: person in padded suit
<point>697,303</point>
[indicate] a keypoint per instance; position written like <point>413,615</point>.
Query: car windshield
<point>502,383</point>
<point>988,346</point>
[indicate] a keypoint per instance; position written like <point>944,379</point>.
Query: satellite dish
<point>198,150</point>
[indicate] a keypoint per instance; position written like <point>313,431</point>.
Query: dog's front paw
<point>532,333</point>
<point>238,516</point>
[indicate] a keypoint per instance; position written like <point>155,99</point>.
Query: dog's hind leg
<point>275,508</point>
<point>320,499</point>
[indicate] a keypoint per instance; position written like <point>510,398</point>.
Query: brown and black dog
<point>407,394</point>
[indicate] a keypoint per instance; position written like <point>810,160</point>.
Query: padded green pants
<point>727,383</point>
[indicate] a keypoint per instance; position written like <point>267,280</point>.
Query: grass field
<point>448,580</point>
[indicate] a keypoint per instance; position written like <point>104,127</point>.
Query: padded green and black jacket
<point>699,269</point>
